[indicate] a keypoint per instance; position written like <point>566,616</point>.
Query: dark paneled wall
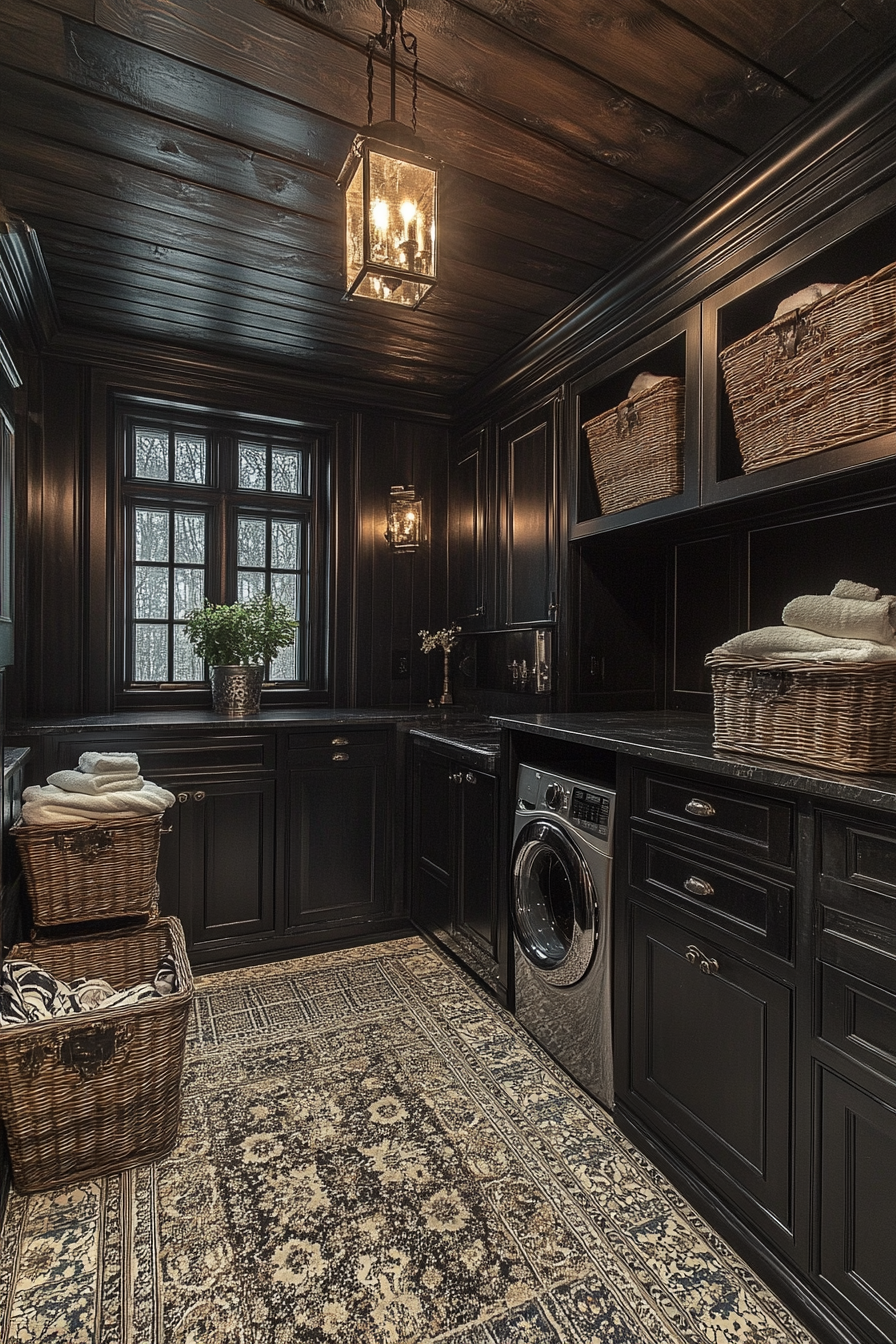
<point>379,599</point>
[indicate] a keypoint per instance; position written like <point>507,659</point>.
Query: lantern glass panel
<point>354,225</point>
<point>401,214</point>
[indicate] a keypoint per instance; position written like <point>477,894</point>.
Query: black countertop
<point>475,741</point>
<point>685,740</point>
<point>268,718</point>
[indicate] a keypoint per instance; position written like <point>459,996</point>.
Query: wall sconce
<point>404,526</point>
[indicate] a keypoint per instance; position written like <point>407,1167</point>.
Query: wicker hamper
<point>92,1093</point>
<point>818,377</point>
<point>636,448</point>
<point>840,716</point>
<point>90,870</point>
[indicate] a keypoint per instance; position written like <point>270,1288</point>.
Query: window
<point>219,512</point>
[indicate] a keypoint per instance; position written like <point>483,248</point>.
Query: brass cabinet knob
<point>698,808</point>
<point>470,777</point>
<point>199,795</point>
<point>456,777</point>
<point>183,797</point>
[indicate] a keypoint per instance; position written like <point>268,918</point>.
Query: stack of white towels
<point>852,624</point>
<point>107,786</point>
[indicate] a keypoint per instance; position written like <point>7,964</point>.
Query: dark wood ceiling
<point>178,158</point>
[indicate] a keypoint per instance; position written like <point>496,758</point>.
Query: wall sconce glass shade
<point>390,216</point>
<point>404,526</point>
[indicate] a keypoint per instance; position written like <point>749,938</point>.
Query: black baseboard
<point>816,1314</point>
<point>262,955</point>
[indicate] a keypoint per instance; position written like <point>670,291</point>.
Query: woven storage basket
<point>92,1093</point>
<point>636,448</point>
<point>818,377</point>
<point>90,870</point>
<point>840,716</point>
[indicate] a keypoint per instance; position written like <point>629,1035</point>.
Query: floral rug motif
<point>373,1152</point>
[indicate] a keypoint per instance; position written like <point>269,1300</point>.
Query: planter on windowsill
<point>236,689</point>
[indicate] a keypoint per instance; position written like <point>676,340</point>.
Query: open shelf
<point>857,242</point>
<point>671,350</point>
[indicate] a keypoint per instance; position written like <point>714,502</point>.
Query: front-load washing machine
<point>561,880</point>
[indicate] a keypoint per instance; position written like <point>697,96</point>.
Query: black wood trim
<point>26,296</point>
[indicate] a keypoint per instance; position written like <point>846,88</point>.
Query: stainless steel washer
<point>561,871</point>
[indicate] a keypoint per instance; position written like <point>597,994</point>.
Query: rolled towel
<point>74,781</point>
<point>789,643</point>
<point>859,592</point>
<point>109,763</point>
<point>843,617</point>
<point>803,298</point>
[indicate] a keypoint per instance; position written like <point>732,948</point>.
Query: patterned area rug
<point>374,1153</point>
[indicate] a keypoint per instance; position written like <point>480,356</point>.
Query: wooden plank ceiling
<point>178,157</point>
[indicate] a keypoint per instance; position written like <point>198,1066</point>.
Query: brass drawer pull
<point>697,887</point>
<point>708,965</point>
<point>340,741</point>
<point>340,755</point>
<point>698,808</point>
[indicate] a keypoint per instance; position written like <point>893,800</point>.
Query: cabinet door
<point>527,538</point>
<point>857,1196</point>
<point>337,815</point>
<point>477,905</point>
<point>432,829</point>
<point>711,1062</point>
<point>468,520</point>
<point>221,856</point>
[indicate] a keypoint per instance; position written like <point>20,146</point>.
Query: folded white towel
<point>47,804</point>
<point>843,617</point>
<point>109,763</point>
<point>859,592</point>
<point>803,298</point>
<point>777,642</point>
<point>73,781</point>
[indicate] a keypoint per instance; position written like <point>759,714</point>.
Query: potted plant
<point>236,641</point>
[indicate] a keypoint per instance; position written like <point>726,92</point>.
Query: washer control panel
<point>591,812</point>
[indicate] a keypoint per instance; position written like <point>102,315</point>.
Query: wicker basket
<point>636,448</point>
<point>840,716</point>
<point>90,870</point>
<point>818,377</point>
<point>93,1093</point>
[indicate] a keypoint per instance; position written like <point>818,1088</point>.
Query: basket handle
<point>626,419</point>
<point>86,1051</point>
<point>87,843</point>
<point>767,687</point>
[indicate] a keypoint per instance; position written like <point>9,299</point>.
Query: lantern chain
<point>392,12</point>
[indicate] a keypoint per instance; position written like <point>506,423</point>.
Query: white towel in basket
<point>48,805</point>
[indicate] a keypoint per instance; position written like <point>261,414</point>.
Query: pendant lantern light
<point>390,186</point>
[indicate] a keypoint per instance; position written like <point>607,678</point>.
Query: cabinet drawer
<point>744,822</point>
<point>749,905</point>
<point>337,739</point>
<point>164,756</point>
<point>859,1019</point>
<point>859,854</point>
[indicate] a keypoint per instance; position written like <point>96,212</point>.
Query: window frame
<point>222,500</point>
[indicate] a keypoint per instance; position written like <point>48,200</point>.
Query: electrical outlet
<point>401,665</point>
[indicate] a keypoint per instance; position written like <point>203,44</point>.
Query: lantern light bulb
<point>380,214</point>
<point>408,211</point>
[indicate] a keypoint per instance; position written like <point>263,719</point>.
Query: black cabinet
<point>336,830</point>
<point>527,518</point>
<point>219,860</point>
<point>711,1060</point>
<point>453,869</point>
<point>470,523</point>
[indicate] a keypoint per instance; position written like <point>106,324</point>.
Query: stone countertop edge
<point>484,755</point>
<point>685,740</point>
<point>267,719</point>
<point>13,757</point>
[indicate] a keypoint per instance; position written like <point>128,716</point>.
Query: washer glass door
<point>554,903</point>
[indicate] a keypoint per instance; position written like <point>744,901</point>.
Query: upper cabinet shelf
<point>669,352</point>
<point>857,242</point>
